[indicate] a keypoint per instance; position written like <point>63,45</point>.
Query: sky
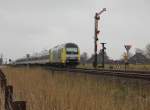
<point>30,26</point>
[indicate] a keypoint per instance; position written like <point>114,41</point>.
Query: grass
<point>49,90</point>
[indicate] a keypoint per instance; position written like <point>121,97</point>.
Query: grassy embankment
<point>46,90</point>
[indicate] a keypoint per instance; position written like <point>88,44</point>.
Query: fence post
<point>8,97</point>
<point>19,105</point>
<point>2,80</point>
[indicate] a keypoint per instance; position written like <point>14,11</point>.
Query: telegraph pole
<point>97,18</point>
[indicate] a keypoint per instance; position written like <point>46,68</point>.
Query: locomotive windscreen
<point>71,48</point>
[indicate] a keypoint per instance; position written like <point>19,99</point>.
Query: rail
<point>120,73</point>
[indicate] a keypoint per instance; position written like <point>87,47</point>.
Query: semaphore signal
<point>97,18</point>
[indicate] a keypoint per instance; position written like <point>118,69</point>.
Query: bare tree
<point>84,57</point>
<point>148,50</point>
<point>1,59</point>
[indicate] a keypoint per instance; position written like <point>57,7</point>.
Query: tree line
<point>141,56</point>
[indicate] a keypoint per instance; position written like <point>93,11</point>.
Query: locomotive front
<point>72,54</point>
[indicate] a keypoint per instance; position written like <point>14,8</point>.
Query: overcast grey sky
<point>28,26</point>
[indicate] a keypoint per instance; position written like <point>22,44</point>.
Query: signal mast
<point>97,18</point>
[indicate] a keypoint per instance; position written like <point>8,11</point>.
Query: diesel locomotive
<point>67,54</point>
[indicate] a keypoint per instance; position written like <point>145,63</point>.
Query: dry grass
<point>1,99</point>
<point>46,90</point>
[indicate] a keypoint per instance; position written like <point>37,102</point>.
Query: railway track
<point>119,73</point>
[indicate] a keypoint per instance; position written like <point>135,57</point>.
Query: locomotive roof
<point>70,44</point>
<point>65,45</point>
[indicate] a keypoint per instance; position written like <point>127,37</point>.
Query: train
<point>67,54</point>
